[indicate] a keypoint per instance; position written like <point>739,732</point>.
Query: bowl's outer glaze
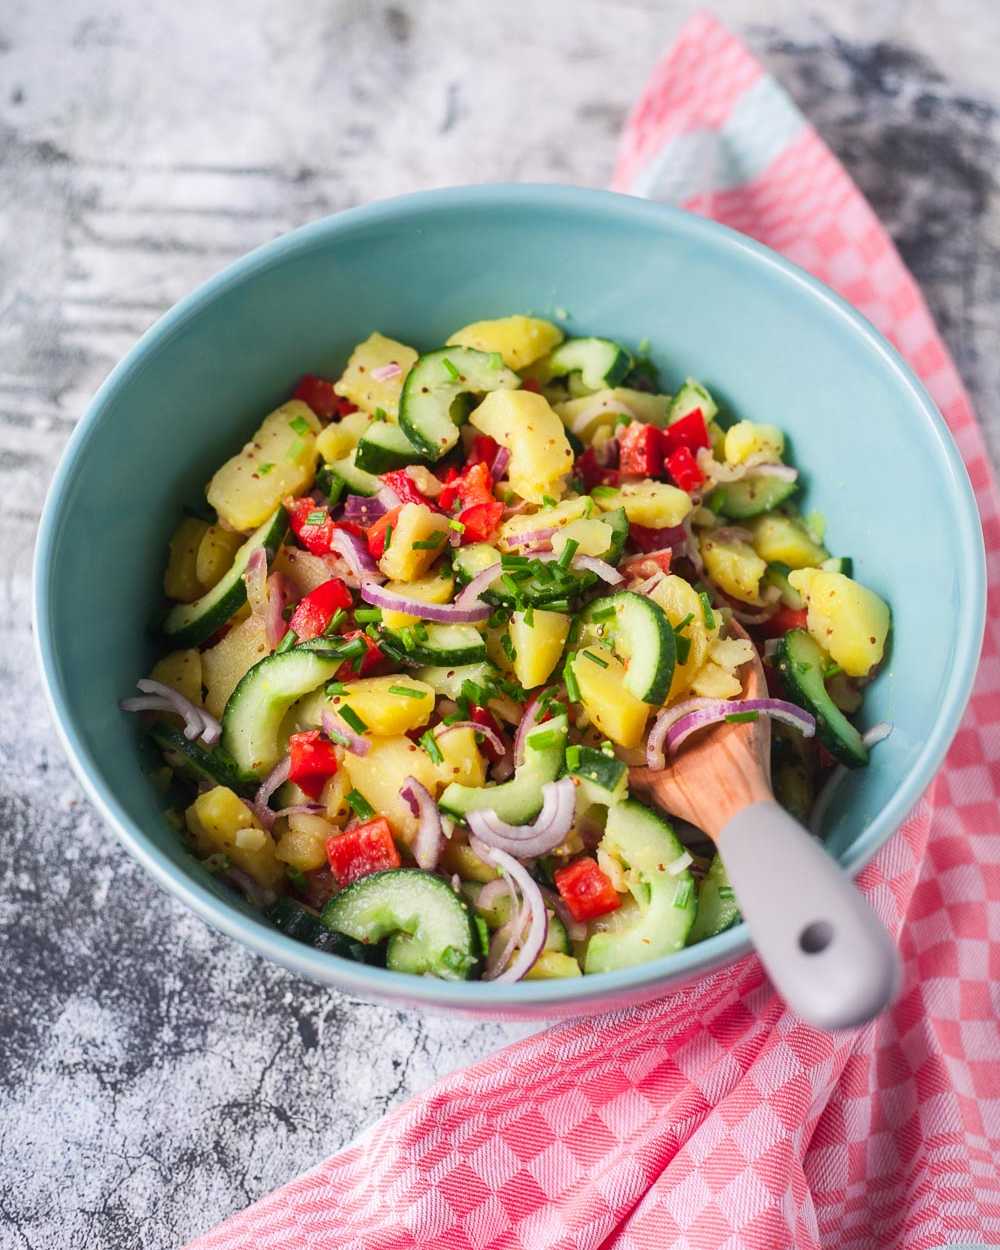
<point>772,343</point>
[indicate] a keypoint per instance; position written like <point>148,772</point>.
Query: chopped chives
<point>740,718</point>
<point>685,623</point>
<point>572,757</point>
<point>372,632</point>
<point>831,670</point>
<point>726,892</point>
<point>286,644</point>
<point>682,895</point>
<point>508,561</point>
<point>381,414</point>
<point>264,469</point>
<point>407,639</point>
<point>334,688</point>
<point>430,745</point>
<point>353,648</point>
<point>595,659</point>
<point>511,585</point>
<point>472,691</point>
<point>451,370</point>
<point>708,616</point>
<point>388,537</point>
<point>337,488</point>
<point>359,805</point>
<point>407,692</point>
<point>529,616</point>
<point>296,449</point>
<point>682,647</point>
<point>348,714</point>
<point>299,424</point>
<point>508,648</point>
<point>497,618</point>
<point>557,605</point>
<point>367,615</point>
<point>335,621</point>
<point>548,501</point>
<point>604,492</point>
<point>567,553</point>
<point>297,877</point>
<point>456,525</point>
<point>572,685</point>
<point>420,631</point>
<point>603,614</point>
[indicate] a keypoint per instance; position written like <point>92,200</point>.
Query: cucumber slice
<point>750,497</point>
<point>447,680</point>
<point>189,624</point>
<point>197,763</point>
<point>251,723</point>
<point>777,576</point>
<point>793,787</point>
<point>430,929</point>
<point>640,634</point>
<point>519,800</point>
<point>384,447</point>
<point>800,662</point>
<point>600,363</point>
<point>839,564</point>
<point>468,561</point>
<point>434,394</point>
<point>354,480</point>
<point>644,841</point>
<point>618,522</point>
<point>443,645</point>
<point>690,397</point>
<point>298,922</point>
<point>717,906</point>
<point>601,778</point>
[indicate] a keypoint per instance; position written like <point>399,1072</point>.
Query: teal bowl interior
<point>770,342</point>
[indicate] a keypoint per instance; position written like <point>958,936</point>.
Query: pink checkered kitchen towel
<point>714,1119</point>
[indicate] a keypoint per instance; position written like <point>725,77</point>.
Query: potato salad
<point>432,612</point>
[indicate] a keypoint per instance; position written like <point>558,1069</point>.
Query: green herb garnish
<point>350,717</point>
<point>739,718</point>
<point>726,892</point>
<point>388,538</point>
<point>381,414</point>
<point>707,615</point>
<point>297,877</point>
<point>430,745</point>
<point>682,895</point>
<point>567,553</point>
<point>286,644</point>
<point>359,805</point>
<point>508,648</point>
<point>595,659</point>
<point>457,526</point>
<point>407,692</point>
<point>264,469</point>
<point>366,615</point>
<point>335,621</point>
<point>428,544</point>
<point>572,685</point>
<point>572,757</point>
<point>453,373</point>
<point>299,424</point>
<point>335,688</point>
<point>603,614</point>
<point>604,492</point>
<point>548,501</point>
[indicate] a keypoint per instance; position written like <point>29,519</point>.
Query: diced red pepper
<point>683,468</point>
<point>641,454</point>
<point>372,657</point>
<point>319,394</point>
<point>480,521</point>
<point>646,539</point>
<point>648,563</point>
<point>593,473</point>
<point>313,759</point>
<point>311,525</point>
<point>484,449</point>
<point>483,716</point>
<point>530,384</point>
<point>362,850</point>
<point>312,614</point>
<point>376,533</point>
<point>690,432</point>
<point>406,488</point>
<point>783,620</point>
<point>473,486</point>
<point>586,890</point>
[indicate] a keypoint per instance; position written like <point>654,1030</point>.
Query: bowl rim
<point>590,992</point>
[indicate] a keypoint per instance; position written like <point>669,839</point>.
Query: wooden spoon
<point>822,945</point>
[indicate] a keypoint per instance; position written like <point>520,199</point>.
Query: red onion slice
<point>527,722</point>
<point>275,778</point>
<point>162,698</point>
<point>469,595</point>
<point>447,613</point>
<point>527,841</point>
<point>255,893</point>
<point>365,510</point>
<point>430,837</point>
<point>385,373</point>
<point>753,618</point>
<point>355,554</point>
<point>531,537</point>
<point>338,730</point>
<point>538,928</point>
<point>500,462</point>
<point>278,594</point>
<point>606,572</point>
<point>783,471</point>
<point>492,892</point>
<point>490,734</point>
<point>777,709</point>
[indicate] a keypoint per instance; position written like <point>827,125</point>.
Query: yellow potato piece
<point>525,423</point>
<point>357,384</point>
<point>341,437</point>
<point>181,671</point>
<point>216,818</point>
<point>381,774</point>
<point>746,439</point>
<point>180,580</point>
<point>713,682</point>
<point>385,713</point>
<point>618,714</point>
<point>402,561</point>
<point>519,340</point>
<point>226,663</point>
<point>849,621</point>
<point>459,858</point>
<point>653,504</point>
<point>303,844</point>
<point>734,566</point>
<point>215,554</point>
<point>463,761</point>
<point>537,646</point>
<point>437,588</point>
<point>593,537</point>
<point>562,514</point>
<point>780,539</point>
<point>679,600</point>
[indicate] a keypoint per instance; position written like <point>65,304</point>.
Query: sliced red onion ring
<point>278,595</point>
<point>500,462</point>
<point>527,722</point>
<point>817,818</point>
<point>385,373</point>
<point>469,595</point>
<point>493,891</point>
<point>504,942</point>
<point>606,572</point>
<point>355,555</point>
<point>255,579</point>
<point>600,405</point>
<point>275,778</point>
<point>530,537</point>
<point>668,717</point>
<point>338,730</point>
<point>447,613</point>
<point>162,698</point>
<point>692,549</point>
<point>777,709</point>
<point>490,734</point>
<point>783,471</point>
<point>365,510</point>
<point>429,842</point>
<point>753,618</point>
<point>677,866</point>
<point>526,841</point>
<point>534,941</point>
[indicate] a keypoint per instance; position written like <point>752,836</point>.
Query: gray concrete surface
<point>153,1075</point>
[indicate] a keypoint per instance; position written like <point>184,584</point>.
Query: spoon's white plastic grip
<point>824,948</point>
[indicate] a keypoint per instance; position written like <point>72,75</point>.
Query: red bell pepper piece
<point>311,525</point>
<point>312,613</point>
<point>646,539</point>
<point>483,716</point>
<point>313,759</point>
<point>530,384</point>
<point>683,468</point>
<point>641,454</point>
<point>376,533</point>
<point>690,432</point>
<point>593,473</point>
<point>783,620</point>
<point>362,850</point>
<point>372,657</point>
<point>319,394</point>
<point>406,488</point>
<point>484,449</point>
<point>586,890</point>
<point>480,521</point>
<point>474,486</point>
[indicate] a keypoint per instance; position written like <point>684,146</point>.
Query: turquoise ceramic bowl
<point>771,342</point>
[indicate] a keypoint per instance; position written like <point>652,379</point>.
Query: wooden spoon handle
<point>823,947</point>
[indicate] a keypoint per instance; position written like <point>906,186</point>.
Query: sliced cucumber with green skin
<point>198,763</point>
<point>384,447</point>
<point>447,680</point>
<point>189,624</point>
<point>717,906</point>
<point>690,397</point>
<point>641,839</point>
<point>839,564</point>
<point>750,496</point>
<point>600,363</point>
<point>519,800</point>
<point>537,592</point>
<point>777,576</point>
<point>800,661</point>
<point>601,778</point>
<point>303,925</point>
<point>434,394</point>
<point>430,929</point>
<point>618,523</point>
<point>469,561</point>
<point>443,645</point>
<point>251,723</point>
<point>354,480</point>
<point>640,634</point>
<point>793,787</point>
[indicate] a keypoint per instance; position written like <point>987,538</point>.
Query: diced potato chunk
<point>734,566</point>
<point>463,761</point>
<point>404,560</point>
<point>782,540</point>
<point>847,619</point>
<point>495,649</point>
<point>587,415</point>
<point>746,439</point>
<point>215,820</point>
<point>593,537</point>
<point>180,580</point>
<point>384,712</point>
<point>357,383</point>
<point>519,340</point>
<point>524,423</point>
<point>215,554</point>
<point>460,858</point>
<point>341,437</point>
<point>618,714</point>
<point>551,966</point>
<point>436,588</point>
<point>304,570</point>
<point>334,796</point>
<point>226,663</point>
<point>653,504</point>
<point>732,653</point>
<point>679,600</point>
<point>714,682</point>
<point>279,460</point>
<point>181,671</point>
<point>537,646</point>
<point>565,513</point>
<point>303,844</point>
<point>381,774</point>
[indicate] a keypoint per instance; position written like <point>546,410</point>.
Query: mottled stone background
<point>153,1075</point>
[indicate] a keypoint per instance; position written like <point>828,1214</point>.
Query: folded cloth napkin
<point>713,1118</point>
